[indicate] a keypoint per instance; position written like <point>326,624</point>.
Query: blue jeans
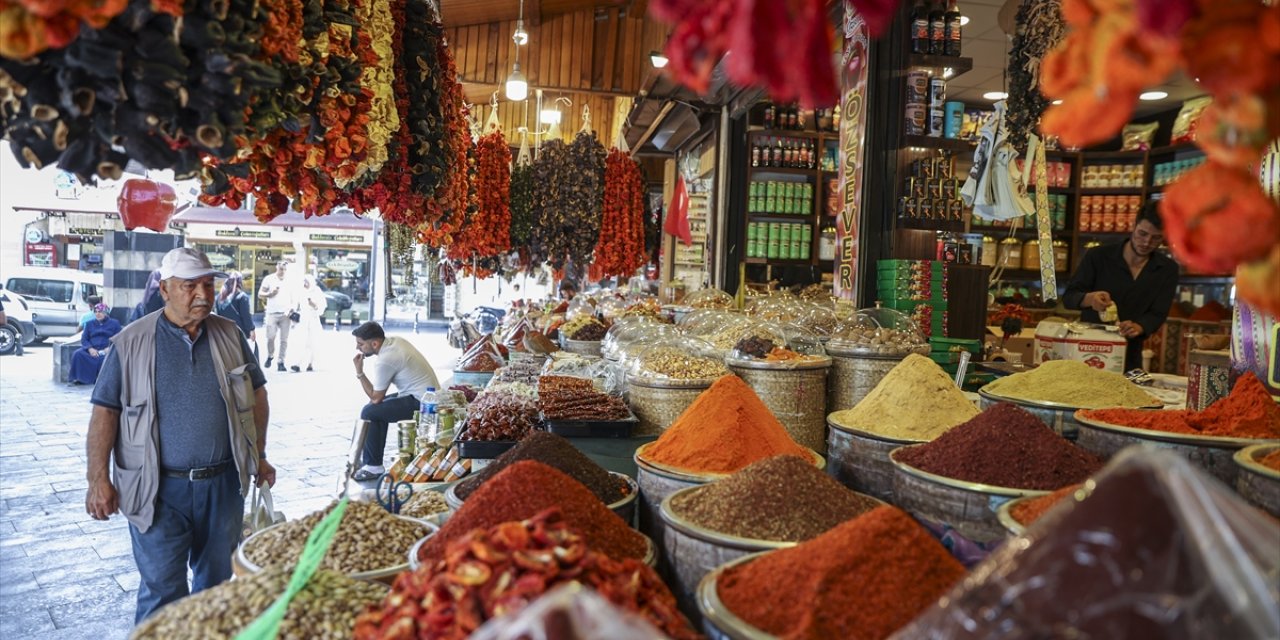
<point>393,408</point>
<point>197,523</point>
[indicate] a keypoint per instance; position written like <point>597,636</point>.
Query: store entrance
<point>253,261</point>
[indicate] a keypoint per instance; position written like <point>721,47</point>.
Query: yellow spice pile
<point>1074,384</point>
<point>916,400</point>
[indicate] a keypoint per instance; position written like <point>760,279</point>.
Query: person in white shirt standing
<point>279,299</point>
<point>311,305</point>
<point>397,362</point>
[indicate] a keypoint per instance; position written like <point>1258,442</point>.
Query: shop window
<point>342,270</point>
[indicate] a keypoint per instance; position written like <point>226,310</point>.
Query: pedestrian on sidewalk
<point>233,304</point>
<point>179,426</point>
<point>95,343</point>
<point>397,362</point>
<point>311,305</point>
<point>151,299</point>
<point>279,305</point>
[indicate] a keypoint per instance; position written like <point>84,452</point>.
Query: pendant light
<point>517,85</point>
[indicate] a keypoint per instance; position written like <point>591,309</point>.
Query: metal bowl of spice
<point>1259,478</point>
<point>860,459</point>
<point>968,507</point>
<point>624,507</point>
<point>718,621</point>
<point>1215,454</point>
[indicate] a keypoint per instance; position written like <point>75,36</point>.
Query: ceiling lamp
<point>517,85</point>
<point>658,59</point>
<point>549,116</point>
<point>995,95</point>
<point>1154,95</point>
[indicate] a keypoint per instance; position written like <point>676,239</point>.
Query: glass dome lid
<point>774,342</point>
<point>678,358</point>
<point>878,331</point>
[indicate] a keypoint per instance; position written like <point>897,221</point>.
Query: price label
<point>318,543</point>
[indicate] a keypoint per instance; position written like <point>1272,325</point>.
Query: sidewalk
<point>65,575</point>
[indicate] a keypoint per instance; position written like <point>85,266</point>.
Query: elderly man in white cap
<point>180,422</point>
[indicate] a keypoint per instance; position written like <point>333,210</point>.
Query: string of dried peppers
<point>1216,216</point>
<point>620,250</point>
<point>568,197</point>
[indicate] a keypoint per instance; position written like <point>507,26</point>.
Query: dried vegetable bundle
<point>486,234</point>
<point>522,211</point>
<point>30,27</point>
<point>1040,28</point>
<point>1216,216</point>
<point>620,250</point>
<point>568,196</point>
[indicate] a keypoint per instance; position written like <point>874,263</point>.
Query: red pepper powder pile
<point>861,580</point>
<point>725,429</point>
<point>494,572</point>
<point>1271,461</point>
<point>1248,412</point>
<point>527,488</point>
<point>1028,511</point>
<point>1004,446</point>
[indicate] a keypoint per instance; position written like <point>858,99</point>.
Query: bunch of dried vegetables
<point>568,197</point>
<point>1040,28</point>
<point>487,232</point>
<point>522,210</point>
<point>620,250</point>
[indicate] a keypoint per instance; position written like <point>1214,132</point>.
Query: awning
<point>343,219</point>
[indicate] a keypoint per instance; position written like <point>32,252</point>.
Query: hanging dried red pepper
<point>487,232</point>
<point>620,250</point>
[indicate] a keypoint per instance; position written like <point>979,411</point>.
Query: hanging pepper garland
<point>487,234</point>
<point>522,211</point>
<point>620,250</point>
<point>1216,216</point>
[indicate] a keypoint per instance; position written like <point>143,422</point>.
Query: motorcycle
<point>472,326</point>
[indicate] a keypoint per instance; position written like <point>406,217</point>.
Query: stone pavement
<point>65,575</point>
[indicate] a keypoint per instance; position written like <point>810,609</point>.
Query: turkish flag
<point>677,223</point>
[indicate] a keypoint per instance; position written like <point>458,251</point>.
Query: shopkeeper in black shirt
<point>1134,276</point>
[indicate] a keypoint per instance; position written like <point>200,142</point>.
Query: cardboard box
<point>1022,344</point>
<point>1097,348</point>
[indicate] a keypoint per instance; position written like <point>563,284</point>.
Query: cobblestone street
<point>64,575</point>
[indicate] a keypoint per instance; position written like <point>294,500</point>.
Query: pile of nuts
<point>368,539</point>
<point>490,573</point>
<point>725,338</point>
<point>501,415</point>
<point>679,365</point>
<point>584,328</point>
<point>878,341</point>
<point>423,504</point>
<point>325,609</point>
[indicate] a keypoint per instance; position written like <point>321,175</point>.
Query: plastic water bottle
<point>428,424</point>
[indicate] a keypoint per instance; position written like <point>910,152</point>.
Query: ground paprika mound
<point>1248,412</point>
<point>1028,511</point>
<point>859,581</point>
<point>1271,460</point>
<point>523,490</point>
<point>1004,446</point>
<point>725,429</point>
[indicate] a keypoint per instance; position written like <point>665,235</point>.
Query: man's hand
<point>266,473</point>
<point>358,361</point>
<point>93,352</point>
<point>1098,301</point>
<point>101,500</point>
<point>1129,328</point>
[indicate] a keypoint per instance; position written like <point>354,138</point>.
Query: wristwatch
<point>359,375</point>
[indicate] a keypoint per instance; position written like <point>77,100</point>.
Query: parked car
<point>57,297</point>
<point>18,325</point>
<point>335,301</point>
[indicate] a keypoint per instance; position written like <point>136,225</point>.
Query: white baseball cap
<point>186,263</point>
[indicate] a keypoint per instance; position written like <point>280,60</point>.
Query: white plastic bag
<point>262,511</point>
<point>569,612</point>
<point>1156,549</point>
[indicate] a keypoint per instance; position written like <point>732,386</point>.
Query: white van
<point>18,325</point>
<point>58,298</point>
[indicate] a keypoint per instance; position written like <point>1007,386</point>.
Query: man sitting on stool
<point>400,363</point>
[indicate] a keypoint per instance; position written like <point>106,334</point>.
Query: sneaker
<point>295,368</point>
<point>309,369</point>
<point>280,367</point>
<point>368,474</point>
<point>267,364</point>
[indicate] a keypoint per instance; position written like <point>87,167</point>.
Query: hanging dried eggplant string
<point>401,239</point>
<point>1040,28</point>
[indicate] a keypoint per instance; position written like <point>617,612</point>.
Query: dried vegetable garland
<point>620,250</point>
<point>522,211</point>
<point>28,28</point>
<point>1216,216</point>
<point>376,81</point>
<point>487,232</point>
<point>447,209</point>
<point>1040,28</point>
<point>568,196</point>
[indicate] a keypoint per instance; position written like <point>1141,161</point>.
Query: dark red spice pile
<point>557,452</point>
<point>859,581</point>
<point>527,488</point>
<point>1004,446</point>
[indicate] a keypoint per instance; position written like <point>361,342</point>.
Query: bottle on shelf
<point>755,153</point>
<point>427,425</point>
<point>919,28</point>
<point>951,45</point>
<point>937,28</point>
<point>777,153</point>
<point>770,115</point>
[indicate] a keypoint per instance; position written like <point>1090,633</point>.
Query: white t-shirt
<point>401,363</point>
<point>281,302</point>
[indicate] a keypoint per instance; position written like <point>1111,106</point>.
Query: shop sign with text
<point>237,233</point>
<point>854,65</point>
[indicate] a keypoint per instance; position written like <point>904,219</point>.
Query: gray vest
<point>137,452</point>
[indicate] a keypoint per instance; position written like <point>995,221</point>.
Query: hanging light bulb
<point>517,85</point>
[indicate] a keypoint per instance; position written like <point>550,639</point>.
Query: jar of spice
<point>1031,255</point>
<point>989,252</point>
<point>1061,255</point>
<point>1010,253</point>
